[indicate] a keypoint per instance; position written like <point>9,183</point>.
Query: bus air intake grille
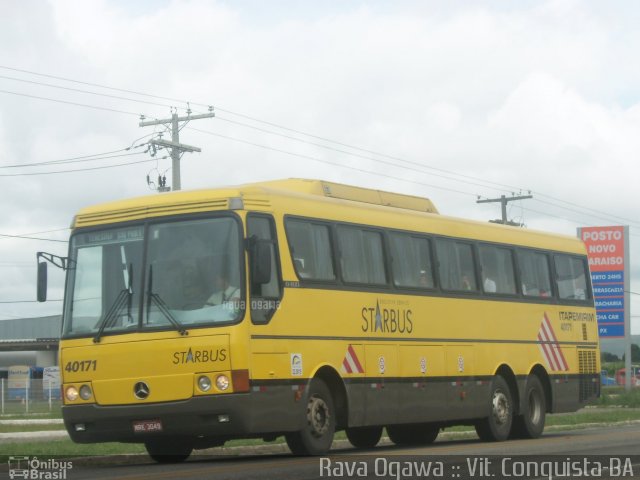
<point>587,370</point>
<point>584,332</point>
<point>256,202</point>
<point>121,215</point>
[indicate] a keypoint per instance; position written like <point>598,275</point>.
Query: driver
<point>224,291</point>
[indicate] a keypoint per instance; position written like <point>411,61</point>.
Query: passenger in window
<point>224,291</point>
<point>488,282</point>
<point>425,280</point>
<point>466,282</point>
<point>489,285</point>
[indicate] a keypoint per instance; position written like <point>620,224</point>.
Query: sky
<point>448,100</point>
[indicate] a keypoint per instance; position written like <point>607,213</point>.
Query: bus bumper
<point>220,416</point>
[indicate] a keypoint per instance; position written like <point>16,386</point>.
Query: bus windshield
<point>168,275</point>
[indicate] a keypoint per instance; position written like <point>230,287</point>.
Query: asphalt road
<point>447,459</point>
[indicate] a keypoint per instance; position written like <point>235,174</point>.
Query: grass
<point>16,410</point>
<point>603,413</point>
<point>617,396</point>
<point>29,428</point>
<point>66,448</point>
<point>593,416</point>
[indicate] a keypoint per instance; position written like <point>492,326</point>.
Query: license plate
<point>147,426</point>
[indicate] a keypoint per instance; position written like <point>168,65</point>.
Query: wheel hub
<point>535,408</point>
<point>500,407</point>
<point>318,416</point>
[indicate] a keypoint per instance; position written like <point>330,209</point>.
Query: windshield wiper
<point>162,307</point>
<point>124,297</point>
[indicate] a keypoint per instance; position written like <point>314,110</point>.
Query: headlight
<point>85,392</point>
<point>71,393</point>
<point>204,383</point>
<point>222,382</point>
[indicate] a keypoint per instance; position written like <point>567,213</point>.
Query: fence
<point>37,396</point>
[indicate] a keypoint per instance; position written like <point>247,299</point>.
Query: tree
<point>635,353</point>
<point>608,357</point>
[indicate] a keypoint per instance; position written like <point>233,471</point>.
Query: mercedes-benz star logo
<point>141,390</point>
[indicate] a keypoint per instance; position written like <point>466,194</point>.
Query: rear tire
<point>497,426</point>
<point>364,437</point>
<point>168,450</point>
<point>316,437</point>
<point>531,423</point>
<point>413,434</point>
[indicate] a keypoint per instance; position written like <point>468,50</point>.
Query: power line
<point>38,233</point>
<point>79,90</point>
<point>585,208</point>
<point>27,237</point>
<point>85,158</point>
<point>70,103</point>
<point>315,159</point>
<point>502,186</point>
<point>29,301</point>
<point>255,120</point>
<point>66,79</point>
<point>422,168</point>
<point>84,169</point>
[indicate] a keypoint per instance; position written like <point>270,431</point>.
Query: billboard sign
<point>51,382</point>
<point>607,250</point>
<point>18,377</point>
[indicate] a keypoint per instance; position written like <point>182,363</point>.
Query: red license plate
<point>147,426</point>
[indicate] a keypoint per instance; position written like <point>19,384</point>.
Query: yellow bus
<point>304,307</point>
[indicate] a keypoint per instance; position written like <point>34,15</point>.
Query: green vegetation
<point>612,366</point>
<point>617,396</point>
<point>66,448</point>
<point>593,415</point>
<point>30,428</point>
<point>16,409</point>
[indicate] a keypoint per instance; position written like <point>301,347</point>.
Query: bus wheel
<point>364,437</point>
<point>497,426</point>
<point>168,450</point>
<point>413,434</point>
<point>316,436</point>
<point>531,423</point>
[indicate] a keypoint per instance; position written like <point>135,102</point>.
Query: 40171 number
<point>81,366</point>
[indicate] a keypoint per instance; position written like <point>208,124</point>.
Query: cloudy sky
<point>448,100</point>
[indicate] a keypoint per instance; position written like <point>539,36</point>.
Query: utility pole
<point>503,203</point>
<point>176,147</point>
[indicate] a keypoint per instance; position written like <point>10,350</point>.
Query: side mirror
<point>261,262</point>
<point>42,282</point>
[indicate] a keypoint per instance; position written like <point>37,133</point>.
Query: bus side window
<point>571,277</point>
<point>496,264</point>
<point>455,265</point>
<point>361,256</point>
<point>534,274</point>
<point>310,245</point>
<point>411,260</point>
<point>264,298</point>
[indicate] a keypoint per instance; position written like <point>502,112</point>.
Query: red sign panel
<point>605,247</point>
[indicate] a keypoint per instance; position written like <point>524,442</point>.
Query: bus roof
<point>320,199</point>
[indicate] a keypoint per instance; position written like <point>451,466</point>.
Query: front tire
<point>316,437</point>
<point>168,450</point>
<point>364,437</point>
<point>497,426</point>
<point>531,423</point>
<point>413,435</point>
